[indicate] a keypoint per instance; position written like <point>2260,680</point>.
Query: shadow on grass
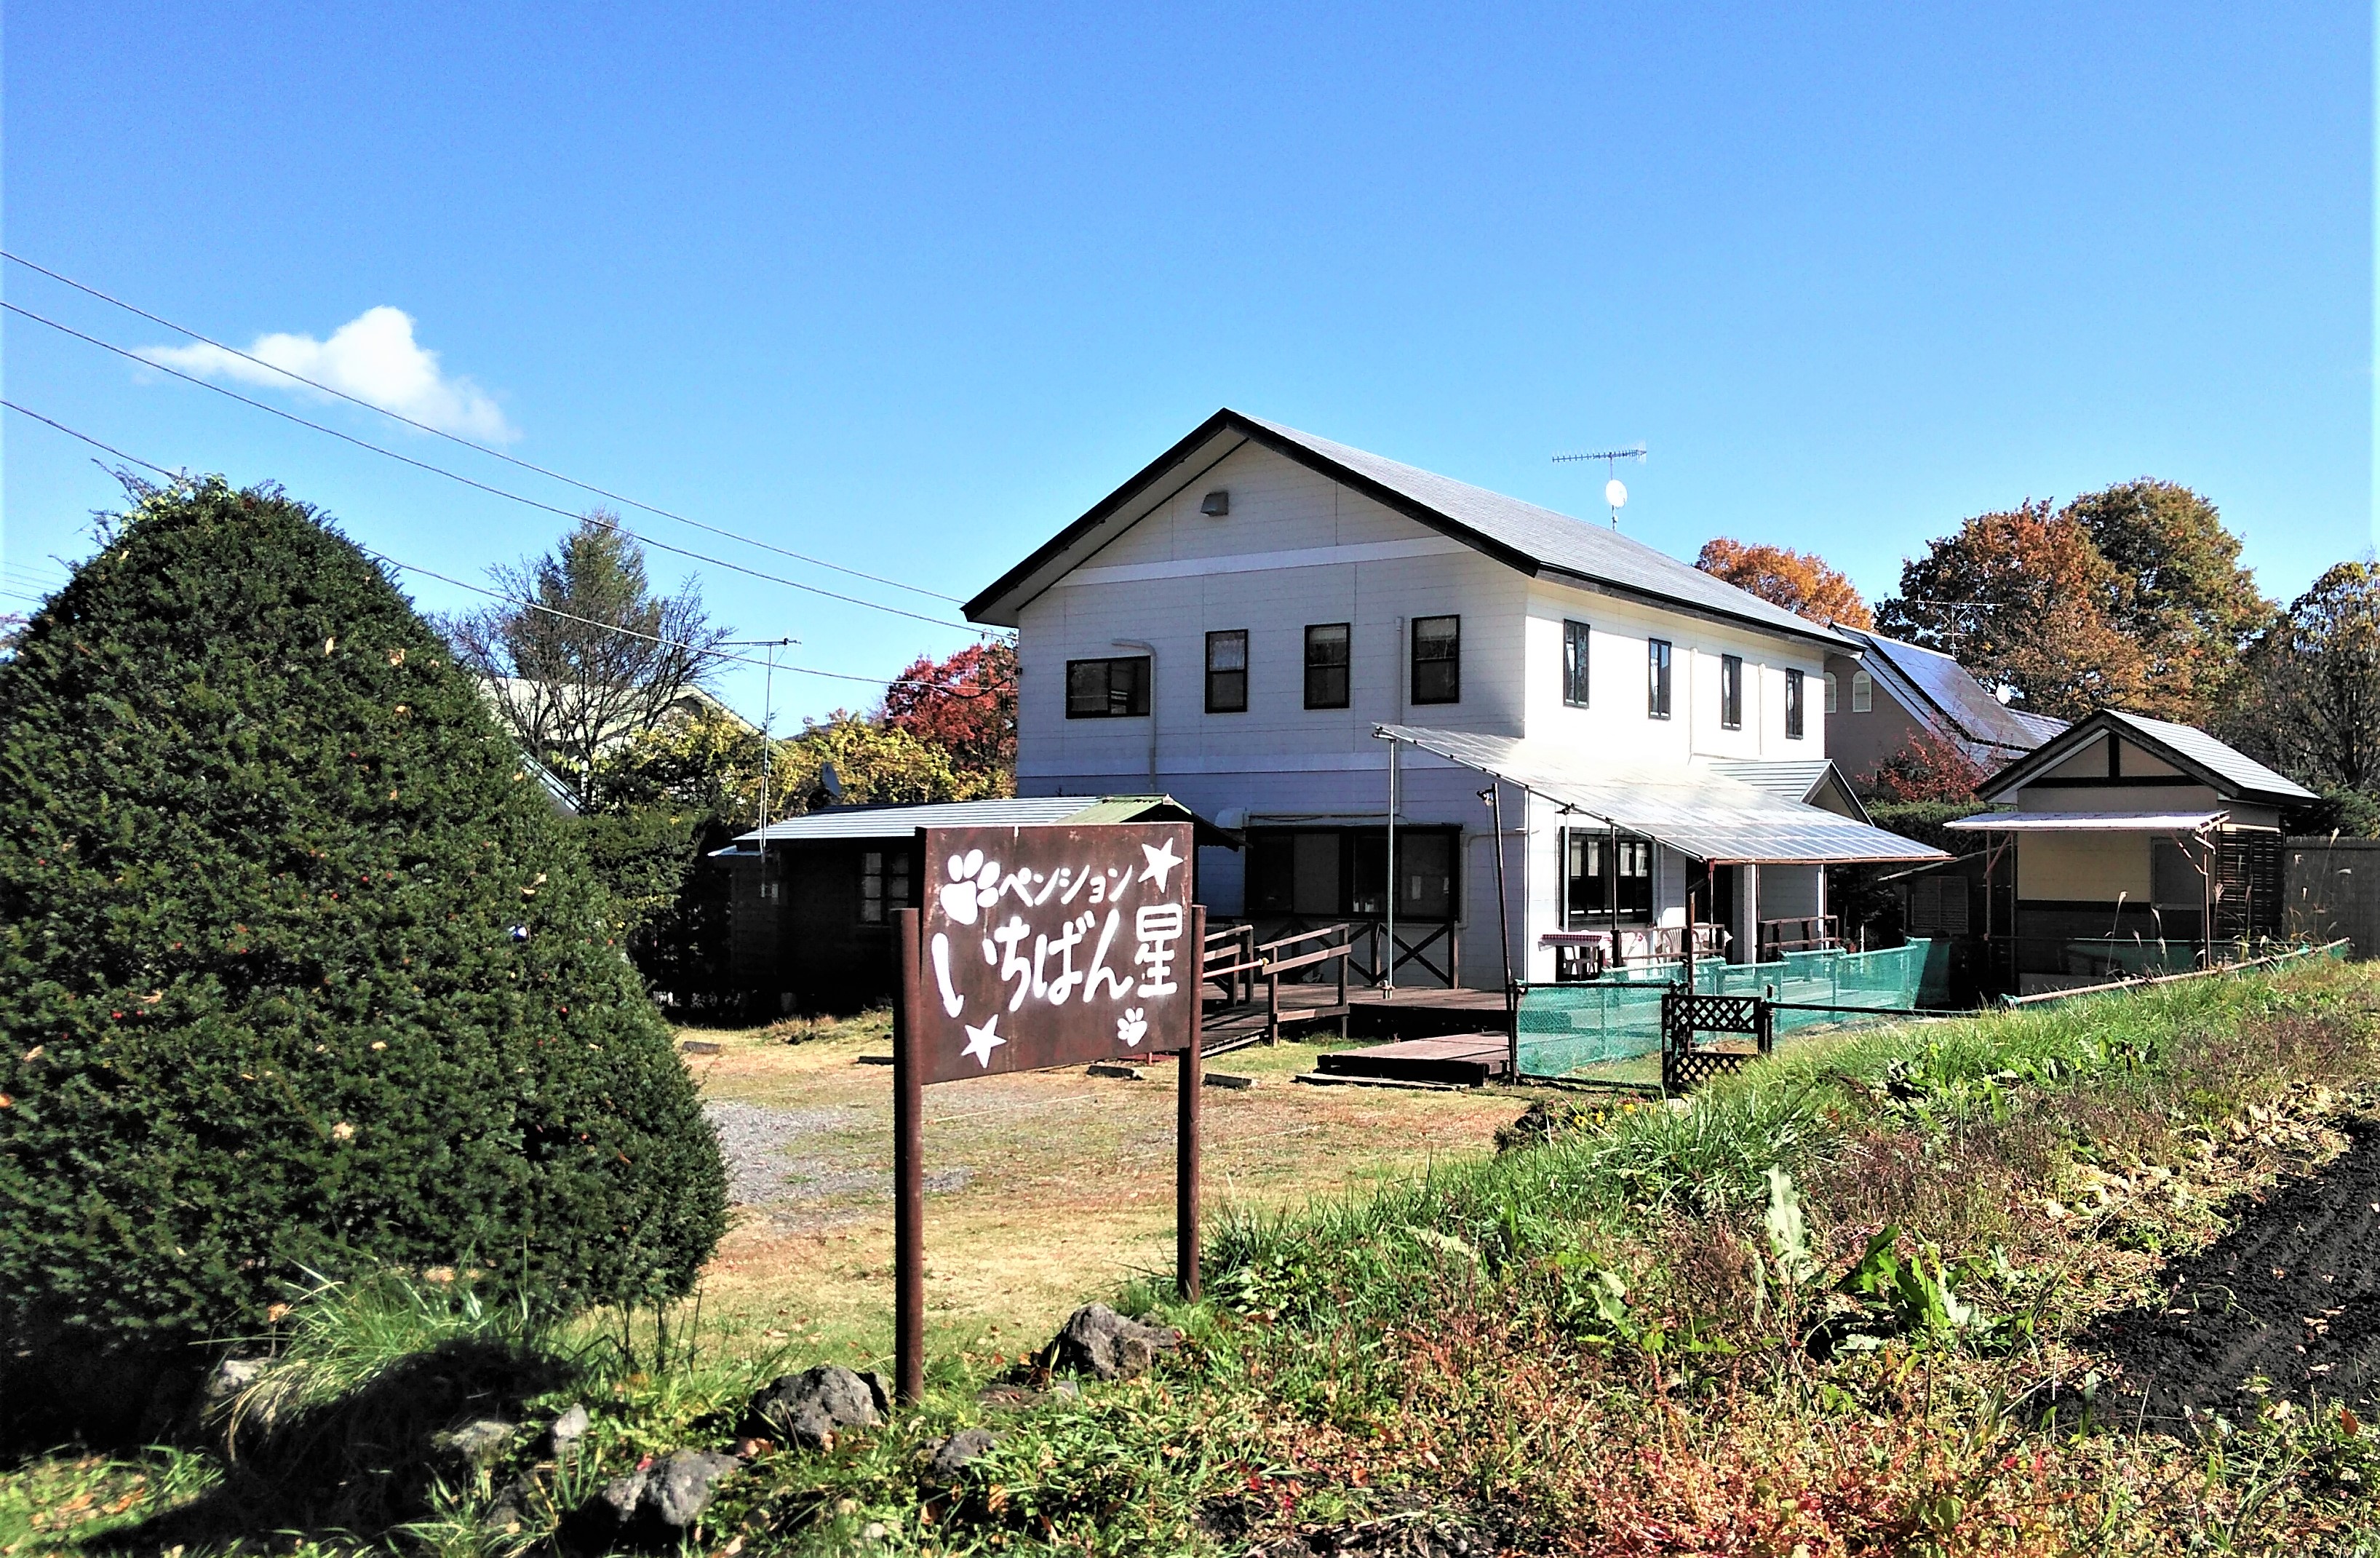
<point>361,1465</point>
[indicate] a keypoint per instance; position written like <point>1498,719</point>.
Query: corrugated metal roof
<point>2087,821</point>
<point>1707,815</point>
<point>900,820</point>
<point>1797,779</point>
<point>2233,773</point>
<point>2042,725</point>
<point>2229,762</point>
<point>1952,692</point>
<point>1519,534</point>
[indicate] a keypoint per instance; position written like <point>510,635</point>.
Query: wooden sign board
<point>1040,946</point>
<point>1053,945</point>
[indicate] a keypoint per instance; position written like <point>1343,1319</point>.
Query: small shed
<point>811,897</point>
<point>2128,846</point>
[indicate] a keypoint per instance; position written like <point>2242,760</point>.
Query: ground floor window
<point>1598,872</point>
<point>883,883</point>
<point>1325,872</point>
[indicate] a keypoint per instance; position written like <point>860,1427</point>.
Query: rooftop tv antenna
<point>1615,493</point>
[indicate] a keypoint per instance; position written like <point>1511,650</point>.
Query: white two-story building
<point>1284,633</point>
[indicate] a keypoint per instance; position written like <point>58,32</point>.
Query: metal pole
<point>1186,1145</point>
<point>1494,796</point>
<point>908,1174</point>
<point>1611,891</point>
<point>1388,979</point>
<point>1151,650</point>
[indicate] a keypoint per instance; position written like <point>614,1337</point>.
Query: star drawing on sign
<point>1162,861</point>
<point>982,1041</point>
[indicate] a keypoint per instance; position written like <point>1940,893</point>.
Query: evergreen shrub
<point>301,978</point>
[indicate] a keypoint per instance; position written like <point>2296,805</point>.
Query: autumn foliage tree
<point>2026,597</point>
<point>1929,770</point>
<point>1799,582</point>
<point>2130,597</point>
<point>966,705</point>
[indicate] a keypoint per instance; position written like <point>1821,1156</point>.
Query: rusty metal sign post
<point>1038,947</point>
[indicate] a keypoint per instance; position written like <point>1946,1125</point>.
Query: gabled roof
<point>1809,781</point>
<point>1946,698</point>
<point>1537,541</point>
<point>900,820</point>
<point>1702,814</point>
<point>2231,773</point>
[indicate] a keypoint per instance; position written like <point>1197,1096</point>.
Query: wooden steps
<point>1463,1060</point>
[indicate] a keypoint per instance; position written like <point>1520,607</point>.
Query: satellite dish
<point>1615,493</point>
<point>831,782</point>
<point>2006,694</point>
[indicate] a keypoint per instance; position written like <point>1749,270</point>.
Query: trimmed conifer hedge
<point>298,970</point>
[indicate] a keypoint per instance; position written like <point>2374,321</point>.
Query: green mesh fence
<point>1565,1028</point>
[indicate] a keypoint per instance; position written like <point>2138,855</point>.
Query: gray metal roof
<point>2230,771</point>
<point>2086,821</point>
<point>1704,815</point>
<point>2227,760</point>
<point>900,822</point>
<point>1796,779</point>
<point>1948,696</point>
<point>1522,535</point>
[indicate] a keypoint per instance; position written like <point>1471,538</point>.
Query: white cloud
<point>372,357</point>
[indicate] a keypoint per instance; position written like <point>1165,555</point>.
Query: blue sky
<point>908,289</point>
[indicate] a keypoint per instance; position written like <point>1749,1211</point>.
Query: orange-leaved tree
<point>966,705</point>
<point>1799,582</point>
<point>2026,597</point>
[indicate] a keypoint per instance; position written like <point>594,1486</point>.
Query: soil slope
<point>2290,1295</point>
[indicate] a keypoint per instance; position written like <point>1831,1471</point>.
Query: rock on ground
<point>660,1500</point>
<point>1095,1340</point>
<point>809,1408</point>
<point>953,1454</point>
<point>1540,1122</point>
<point>475,1443</point>
<point>566,1431</point>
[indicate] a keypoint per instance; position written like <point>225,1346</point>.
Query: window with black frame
<point>1327,661</point>
<point>1730,693</point>
<point>1227,672</point>
<point>1598,870</point>
<point>1324,873</point>
<point>883,883</point>
<point>1574,664</point>
<point>1107,690</point>
<point>1793,704</point>
<point>1657,678</point>
<point>1438,659</point>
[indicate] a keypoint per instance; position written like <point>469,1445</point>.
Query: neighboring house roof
<point>1704,815</point>
<point>2230,772</point>
<point>900,820</point>
<point>1537,541</point>
<point>1945,697</point>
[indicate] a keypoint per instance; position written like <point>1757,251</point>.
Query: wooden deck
<point>1466,1060</point>
<point>1368,1013</point>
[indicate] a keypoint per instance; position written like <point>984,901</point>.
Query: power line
<point>471,443</point>
<point>469,481</point>
<point>514,600</point>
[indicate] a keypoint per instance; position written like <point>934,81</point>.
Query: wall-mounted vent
<point>1216,504</point>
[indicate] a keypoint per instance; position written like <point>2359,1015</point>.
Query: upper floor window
<point>1227,672</point>
<point>883,883</point>
<point>1730,693</point>
<point>1831,693</point>
<point>1862,693</point>
<point>1574,645</point>
<point>1326,665</point>
<point>1656,678</point>
<point>1106,689</point>
<point>1794,699</point>
<point>1438,659</point>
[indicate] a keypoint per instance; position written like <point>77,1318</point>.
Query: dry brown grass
<point>1044,1190</point>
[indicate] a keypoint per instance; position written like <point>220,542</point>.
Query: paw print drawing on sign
<point>1133,1026</point>
<point>970,887</point>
